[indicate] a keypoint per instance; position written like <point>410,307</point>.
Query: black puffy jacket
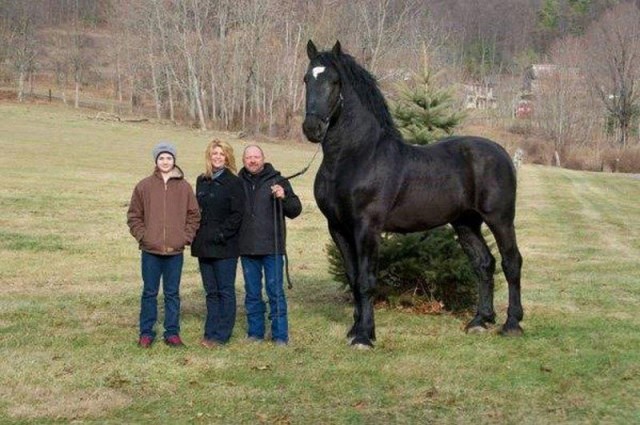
<point>257,236</point>
<point>222,204</point>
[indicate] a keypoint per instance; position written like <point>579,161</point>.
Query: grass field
<point>69,274</point>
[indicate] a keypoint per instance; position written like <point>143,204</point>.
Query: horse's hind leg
<point>474,245</point>
<point>511,266</point>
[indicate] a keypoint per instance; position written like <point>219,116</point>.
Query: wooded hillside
<point>238,64</point>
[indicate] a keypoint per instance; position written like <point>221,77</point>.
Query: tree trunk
<point>271,111</point>
<point>118,79</point>
<point>31,84</point>
<point>132,100</point>
<point>172,116</point>
<point>205,105</point>
<point>154,79</point>
<point>624,133</point>
<point>294,80</point>
<point>21,86</point>
<point>76,102</point>
<point>214,109</point>
<point>156,90</point>
<point>244,111</point>
<point>196,92</point>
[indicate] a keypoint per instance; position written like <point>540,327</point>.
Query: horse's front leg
<point>345,245</point>
<point>367,240</point>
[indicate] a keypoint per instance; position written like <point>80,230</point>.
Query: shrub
<point>427,266</point>
<point>622,160</point>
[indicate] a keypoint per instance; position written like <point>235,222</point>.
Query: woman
<point>221,199</point>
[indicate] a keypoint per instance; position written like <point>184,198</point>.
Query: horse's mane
<point>365,86</point>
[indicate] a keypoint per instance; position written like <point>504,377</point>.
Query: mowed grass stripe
<point>581,225</point>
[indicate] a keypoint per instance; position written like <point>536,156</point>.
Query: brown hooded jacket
<point>163,217</point>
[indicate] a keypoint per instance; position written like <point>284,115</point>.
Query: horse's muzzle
<point>314,128</point>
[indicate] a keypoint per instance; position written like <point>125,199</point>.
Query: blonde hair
<point>230,159</point>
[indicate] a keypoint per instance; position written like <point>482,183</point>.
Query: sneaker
<point>145,341</point>
<point>209,343</point>
<point>280,342</point>
<point>173,341</point>
<point>254,339</point>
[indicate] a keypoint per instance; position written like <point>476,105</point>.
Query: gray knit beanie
<point>163,147</point>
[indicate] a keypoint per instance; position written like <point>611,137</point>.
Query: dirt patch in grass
<point>30,402</point>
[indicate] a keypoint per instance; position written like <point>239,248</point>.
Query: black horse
<point>371,181</point>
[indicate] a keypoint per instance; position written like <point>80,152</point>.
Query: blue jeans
<point>169,268</point>
<point>218,279</point>
<point>252,268</point>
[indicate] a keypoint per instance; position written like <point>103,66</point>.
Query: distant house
<point>536,77</point>
<point>479,96</point>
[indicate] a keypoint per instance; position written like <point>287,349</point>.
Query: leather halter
<point>332,112</point>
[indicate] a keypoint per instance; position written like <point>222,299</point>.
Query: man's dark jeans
<point>252,268</point>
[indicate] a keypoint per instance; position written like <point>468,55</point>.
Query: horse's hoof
<point>511,331</point>
<point>361,343</point>
<point>363,347</point>
<point>477,329</point>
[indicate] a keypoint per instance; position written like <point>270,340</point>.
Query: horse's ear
<point>337,49</point>
<point>312,52</point>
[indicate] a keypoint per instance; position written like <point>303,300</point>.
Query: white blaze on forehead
<point>317,71</point>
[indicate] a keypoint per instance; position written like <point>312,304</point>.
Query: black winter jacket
<point>222,204</point>
<point>257,235</point>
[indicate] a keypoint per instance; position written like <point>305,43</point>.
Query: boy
<point>163,217</point>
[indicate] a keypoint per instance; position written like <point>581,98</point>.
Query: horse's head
<point>323,97</point>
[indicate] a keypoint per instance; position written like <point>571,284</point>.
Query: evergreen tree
<point>429,266</point>
<point>549,15</point>
<point>424,112</point>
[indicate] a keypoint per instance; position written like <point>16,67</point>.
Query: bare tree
<point>612,62</point>
<point>5,38</point>
<point>158,15</point>
<point>292,69</point>
<point>382,24</point>
<point>153,66</point>
<point>237,64</point>
<point>187,24</point>
<point>21,39</point>
<point>78,62</point>
<point>562,108</point>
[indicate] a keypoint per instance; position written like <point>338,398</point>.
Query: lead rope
<point>284,244</point>
<point>278,219</point>
<point>278,202</point>
<point>278,223</point>
<point>276,266</point>
<point>304,170</point>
